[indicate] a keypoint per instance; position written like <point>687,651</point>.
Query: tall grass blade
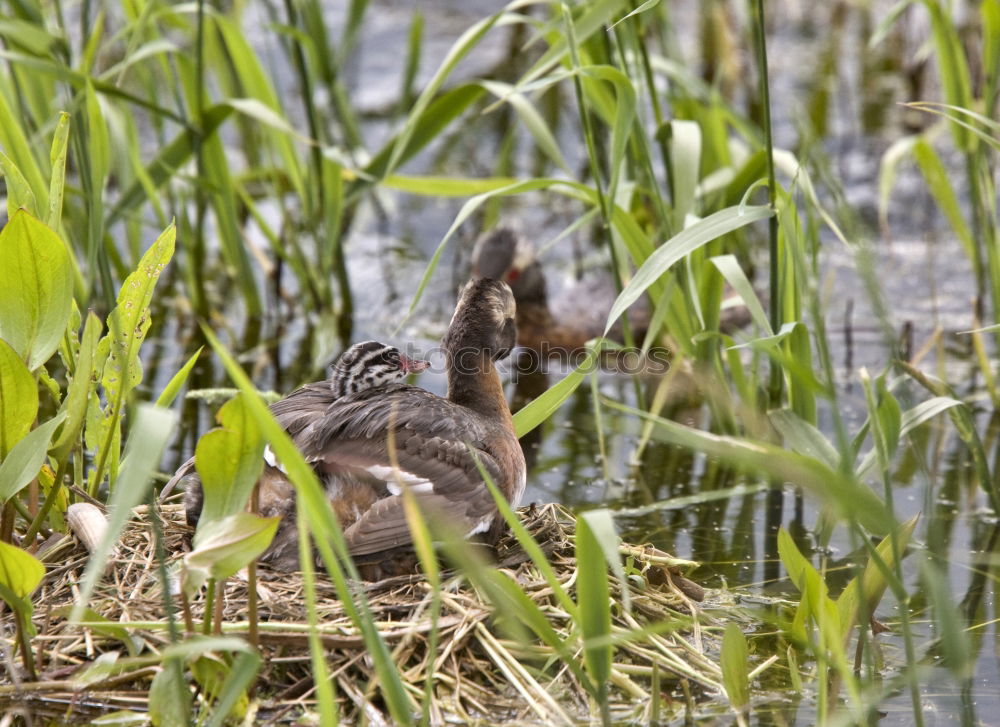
<point>150,431</point>
<point>682,244</point>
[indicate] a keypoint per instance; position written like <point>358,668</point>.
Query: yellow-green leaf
<point>20,571</point>
<point>228,459</point>
<point>36,287</point>
<point>593,601</point>
<point>224,546</point>
<point>734,667</point>
<point>18,398</point>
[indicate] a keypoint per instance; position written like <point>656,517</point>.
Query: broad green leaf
<point>593,603</point>
<point>18,398</point>
<point>119,349</point>
<point>889,415</point>
<point>229,462</point>
<point>170,696</point>
<point>217,677</point>
<point>36,287</point>
<point>868,588</point>
<point>26,458</point>
<point>222,547</point>
<point>104,666</point>
<point>682,244</point>
<point>230,689</point>
<point>19,193</point>
<point>20,571</point>
<point>196,645</point>
<point>735,667</point>
<point>815,607</point>
<point>795,563</point>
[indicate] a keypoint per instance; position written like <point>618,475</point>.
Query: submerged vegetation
<point>181,183</point>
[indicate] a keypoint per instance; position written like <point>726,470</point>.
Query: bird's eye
<point>390,359</point>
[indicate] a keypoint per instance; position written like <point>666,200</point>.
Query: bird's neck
<point>473,382</point>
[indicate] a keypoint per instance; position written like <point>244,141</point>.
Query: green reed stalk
<point>775,384</point>
<point>197,265</point>
<point>878,416</point>
<point>585,120</point>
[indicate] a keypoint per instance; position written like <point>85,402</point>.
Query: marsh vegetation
<point>207,201</point>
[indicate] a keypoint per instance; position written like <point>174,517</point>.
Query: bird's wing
<point>408,438</point>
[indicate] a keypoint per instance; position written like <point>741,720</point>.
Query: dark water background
<point>921,274</point>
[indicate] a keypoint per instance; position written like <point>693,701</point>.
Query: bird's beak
<point>413,365</point>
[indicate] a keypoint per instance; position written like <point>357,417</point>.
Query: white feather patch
<point>522,482</point>
<point>393,477</point>
<point>271,459</point>
<point>482,526</point>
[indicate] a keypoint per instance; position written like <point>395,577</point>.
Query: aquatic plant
<point>157,112</point>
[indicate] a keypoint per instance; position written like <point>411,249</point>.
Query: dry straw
<point>480,673</point>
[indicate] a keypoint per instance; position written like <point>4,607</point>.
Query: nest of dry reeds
<point>480,674</point>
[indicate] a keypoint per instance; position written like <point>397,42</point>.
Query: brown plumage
<point>404,437</point>
<point>369,445</point>
<point>564,324</point>
<point>365,365</point>
<point>573,318</point>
